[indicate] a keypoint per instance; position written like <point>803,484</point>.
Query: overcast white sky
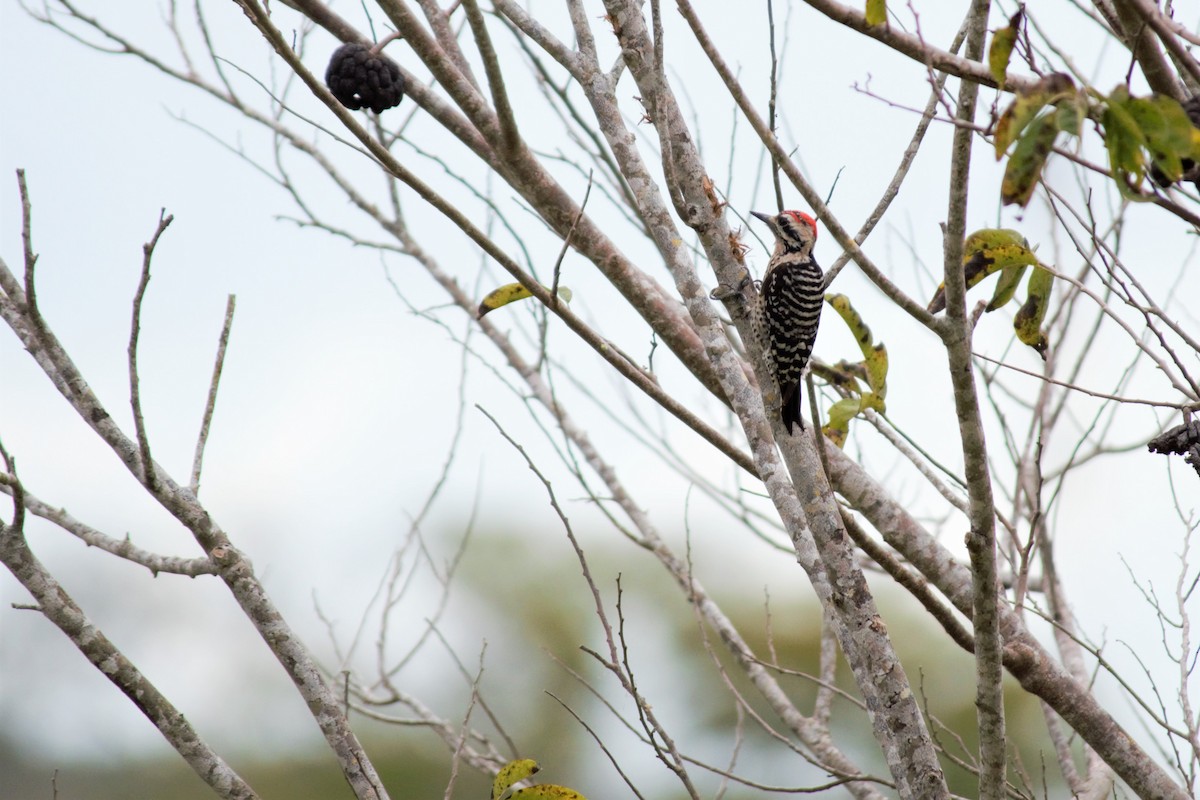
<point>323,442</point>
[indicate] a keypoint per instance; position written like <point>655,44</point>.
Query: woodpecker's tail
<point>791,408</point>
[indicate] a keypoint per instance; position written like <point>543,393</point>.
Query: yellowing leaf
<point>873,368</point>
<point>1055,89</point>
<point>842,375</point>
<point>876,12</point>
<point>512,772</point>
<point>877,368</point>
<point>1002,247</point>
<point>835,435</point>
<point>1000,50</point>
<point>510,293</point>
<point>547,791</point>
<point>985,252</point>
<point>1006,287</point>
<point>1028,321</point>
<point>846,409</point>
<point>875,357</point>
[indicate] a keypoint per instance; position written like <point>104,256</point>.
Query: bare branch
<point>981,541</point>
<point>810,194</point>
<point>510,137</point>
<point>122,548</point>
<point>1135,29</point>
<point>211,402</point>
<point>232,566</point>
<point>1024,657</point>
<point>135,327</point>
<point>57,606</point>
<point>35,315</point>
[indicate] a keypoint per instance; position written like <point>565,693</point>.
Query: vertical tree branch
<point>27,245</point>
<point>510,138</point>
<point>771,103</point>
<point>897,722</point>
<point>1025,658</point>
<point>981,541</point>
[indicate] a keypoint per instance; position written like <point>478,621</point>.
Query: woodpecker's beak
<point>769,219</point>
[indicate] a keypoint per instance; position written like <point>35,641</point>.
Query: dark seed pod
<point>359,78</point>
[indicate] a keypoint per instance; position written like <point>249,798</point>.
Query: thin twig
<point>1192,405</point>
<point>456,758</point>
<point>122,548</point>
<point>510,136</point>
<point>600,743</point>
<point>771,102</point>
<point>31,307</point>
<point>211,403</point>
<point>135,327</point>
<point>9,482</point>
<point>562,253</point>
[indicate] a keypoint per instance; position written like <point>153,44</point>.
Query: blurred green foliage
<point>535,615</point>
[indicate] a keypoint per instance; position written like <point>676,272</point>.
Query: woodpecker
<point>789,307</point>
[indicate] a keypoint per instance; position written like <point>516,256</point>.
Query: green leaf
<point>1024,168</point>
<point>1070,112</point>
<point>876,12</point>
<point>1166,146</point>
<point>1123,139</point>
<point>846,409</point>
<point>873,369</point>
<point>837,429</point>
<point>1020,112</point>
<point>1170,135</point>
<point>1000,50</point>
<point>1028,320</point>
<point>512,772</point>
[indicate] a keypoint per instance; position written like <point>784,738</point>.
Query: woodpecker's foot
<point>726,292</point>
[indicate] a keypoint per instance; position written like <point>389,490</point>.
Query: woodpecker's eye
<point>798,222</point>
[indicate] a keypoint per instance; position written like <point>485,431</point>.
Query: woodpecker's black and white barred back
<point>789,308</point>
